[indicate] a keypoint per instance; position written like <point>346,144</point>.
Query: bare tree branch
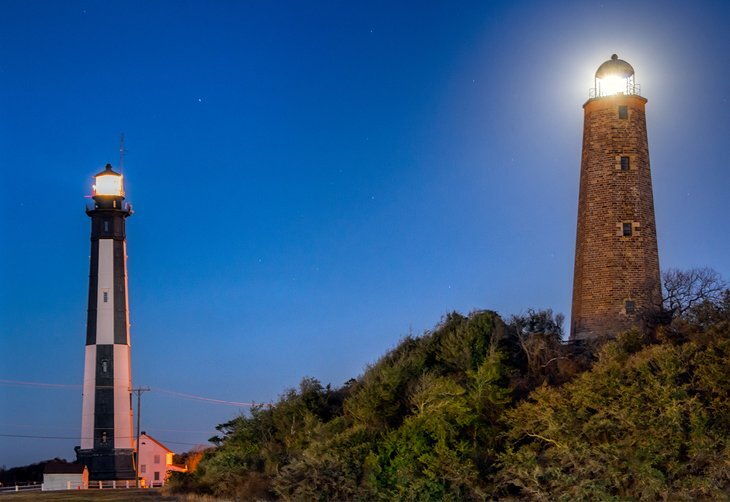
<point>685,289</point>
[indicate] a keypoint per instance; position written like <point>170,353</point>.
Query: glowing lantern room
<point>108,183</point>
<point>613,77</point>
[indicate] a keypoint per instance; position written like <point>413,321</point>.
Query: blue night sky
<point>314,180</point>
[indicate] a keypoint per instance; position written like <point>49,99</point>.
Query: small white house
<point>62,476</point>
<point>155,461</point>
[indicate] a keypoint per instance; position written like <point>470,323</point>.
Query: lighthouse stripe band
<point>105,293</point>
<point>104,398</point>
<point>121,333</point>
<point>87,413</point>
<point>122,398</point>
<point>93,295</point>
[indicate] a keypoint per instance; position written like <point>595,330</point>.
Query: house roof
<point>145,437</point>
<point>63,468</point>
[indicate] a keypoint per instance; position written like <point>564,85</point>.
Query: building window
<point>143,468</point>
<point>623,112</point>
<point>105,294</point>
<point>627,229</point>
<point>625,163</point>
<point>157,475</point>
<point>157,459</point>
<point>630,306</point>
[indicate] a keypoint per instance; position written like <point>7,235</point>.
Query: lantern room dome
<point>107,171</point>
<point>615,67</point>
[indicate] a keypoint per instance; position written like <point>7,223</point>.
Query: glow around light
<point>109,184</point>
<point>612,84</point>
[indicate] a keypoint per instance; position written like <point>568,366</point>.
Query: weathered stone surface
<point>612,269</point>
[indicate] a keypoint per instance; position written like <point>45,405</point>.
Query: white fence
<point>116,485</point>
<point>20,488</point>
<point>70,485</point>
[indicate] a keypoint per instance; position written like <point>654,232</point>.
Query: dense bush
<point>480,408</point>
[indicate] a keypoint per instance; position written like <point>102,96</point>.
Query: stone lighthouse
<point>107,443</point>
<point>616,279</point>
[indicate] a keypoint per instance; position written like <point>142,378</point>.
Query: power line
<point>36,426</point>
<point>40,384</point>
<point>193,397</point>
<point>67,428</point>
<point>27,436</point>
<point>177,442</point>
<point>153,428</point>
<point>190,397</point>
<point>38,437</point>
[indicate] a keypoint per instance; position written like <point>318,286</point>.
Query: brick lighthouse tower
<point>616,276</point>
<point>107,443</point>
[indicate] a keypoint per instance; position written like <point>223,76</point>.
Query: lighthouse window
<point>104,366</point>
<point>623,112</point>
<point>630,306</point>
<point>106,225</point>
<point>105,294</point>
<point>103,437</point>
<point>627,229</point>
<point>625,162</point>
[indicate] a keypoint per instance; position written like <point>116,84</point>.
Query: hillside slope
<point>481,408</point>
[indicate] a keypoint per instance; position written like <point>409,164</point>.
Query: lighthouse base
<point>107,465</point>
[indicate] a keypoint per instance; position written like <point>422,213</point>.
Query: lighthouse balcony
<point>631,89</point>
<point>115,204</point>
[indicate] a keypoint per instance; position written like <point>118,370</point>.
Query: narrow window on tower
<point>625,163</point>
<point>103,437</point>
<point>627,229</point>
<point>104,366</point>
<point>630,306</point>
<point>623,112</point>
<point>106,225</point>
<point>105,296</point>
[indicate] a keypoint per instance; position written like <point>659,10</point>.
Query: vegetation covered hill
<point>481,408</point>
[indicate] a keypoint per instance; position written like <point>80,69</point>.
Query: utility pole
<point>138,391</point>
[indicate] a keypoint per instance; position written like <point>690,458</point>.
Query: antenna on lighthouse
<point>121,153</point>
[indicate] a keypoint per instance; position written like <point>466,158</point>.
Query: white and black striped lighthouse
<point>107,442</point>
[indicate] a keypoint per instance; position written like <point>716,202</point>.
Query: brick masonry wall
<point>611,269</point>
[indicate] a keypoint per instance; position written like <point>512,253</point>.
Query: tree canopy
<point>480,408</point>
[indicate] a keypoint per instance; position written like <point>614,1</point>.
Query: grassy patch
<point>150,495</point>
